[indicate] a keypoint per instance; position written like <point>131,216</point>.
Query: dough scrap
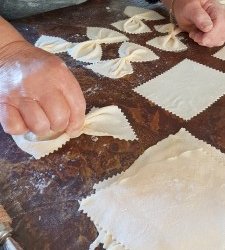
<point>134,24</point>
<point>169,42</point>
<point>222,1</point>
<point>172,197</point>
<point>53,44</point>
<point>128,52</point>
<point>220,54</point>
<point>91,51</point>
<point>179,90</point>
<point>107,121</point>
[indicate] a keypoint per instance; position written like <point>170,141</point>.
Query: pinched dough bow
<point>53,44</point>
<point>169,42</point>
<point>128,52</point>
<point>88,51</point>
<point>91,51</point>
<point>134,24</point>
<point>107,121</point>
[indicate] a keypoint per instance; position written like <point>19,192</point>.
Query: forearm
<point>8,34</point>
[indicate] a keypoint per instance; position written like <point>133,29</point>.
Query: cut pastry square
<point>91,51</point>
<point>169,42</point>
<point>53,44</point>
<point>107,121</point>
<point>186,89</point>
<point>128,52</point>
<point>220,54</point>
<point>134,24</point>
<point>172,197</point>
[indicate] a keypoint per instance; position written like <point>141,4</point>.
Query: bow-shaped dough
<point>107,121</point>
<point>91,51</point>
<point>134,24</point>
<point>128,52</point>
<point>53,44</point>
<point>169,42</point>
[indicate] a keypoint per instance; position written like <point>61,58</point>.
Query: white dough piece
<point>134,24</point>
<point>220,54</point>
<point>186,89</point>
<point>91,51</point>
<point>172,197</point>
<point>53,44</point>
<point>104,35</point>
<point>222,1</point>
<point>169,42</point>
<point>107,121</point>
<point>128,52</point>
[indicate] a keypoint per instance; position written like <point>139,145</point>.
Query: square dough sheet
<point>172,197</point>
<point>220,54</point>
<point>186,89</point>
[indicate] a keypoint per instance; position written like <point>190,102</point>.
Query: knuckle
<point>60,121</point>
<point>40,127</point>
<point>14,129</point>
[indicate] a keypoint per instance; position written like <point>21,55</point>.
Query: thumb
<point>201,19</point>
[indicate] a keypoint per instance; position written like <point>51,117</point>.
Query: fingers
<point>216,36</point>
<point>201,19</point>
<point>56,109</point>
<point>34,117</point>
<point>11,120</point>
<point>77,104</point>
<point>210,39</point>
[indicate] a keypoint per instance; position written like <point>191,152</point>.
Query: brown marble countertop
<point>42,196</point>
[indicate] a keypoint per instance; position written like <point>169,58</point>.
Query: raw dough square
<point>186,89</point>
<point>172,197</point>
<point>220,54</point>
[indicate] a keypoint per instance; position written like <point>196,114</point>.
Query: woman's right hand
<point>38,93</point>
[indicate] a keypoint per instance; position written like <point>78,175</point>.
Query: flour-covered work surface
<point>149,160</point>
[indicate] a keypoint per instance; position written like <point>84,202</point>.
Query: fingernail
<point>207,26</point>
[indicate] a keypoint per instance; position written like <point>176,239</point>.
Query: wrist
<point>8,34</point>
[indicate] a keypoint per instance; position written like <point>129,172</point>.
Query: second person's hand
<point>203,19</point>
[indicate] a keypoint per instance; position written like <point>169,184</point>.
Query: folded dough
<point>220,54</point>
<point>128,52</point>
<point>91,51</point>
<point>53,44</point>
<point>172,197</point>
<point>134,24</point>
<point>169,42</point>
<point>107,121</point>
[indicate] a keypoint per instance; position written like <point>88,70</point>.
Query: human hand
<point>38,93</point>
<point>203,19</point>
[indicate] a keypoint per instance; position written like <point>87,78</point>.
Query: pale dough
<point>107,121</point>
<point>53,44</point>
<point>91,51</point>
<point>186,89</point>
<point>169,42</point>
<point>220,54</point>
<point>128,52</point>
<point>134,24</point>
<point>172,197</point>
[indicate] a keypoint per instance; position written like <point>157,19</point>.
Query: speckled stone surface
<point>42,196</point>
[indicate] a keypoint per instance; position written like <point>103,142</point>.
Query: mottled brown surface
<point>42,196</point>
